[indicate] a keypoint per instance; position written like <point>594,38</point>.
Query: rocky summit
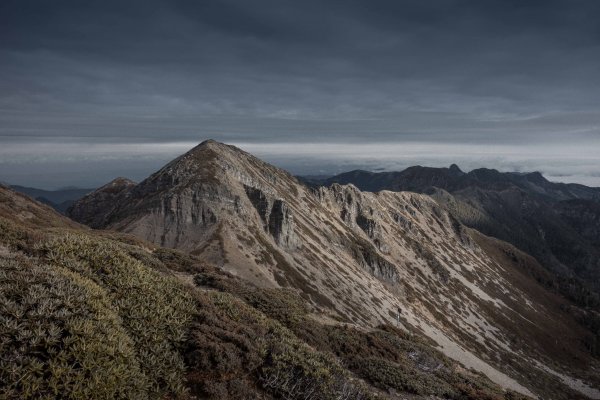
<point>363,260</point>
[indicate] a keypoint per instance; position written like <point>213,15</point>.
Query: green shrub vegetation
<point>245,353</point>
<point>81,318</point>
<point>154,308</point>
<point>60,337</point>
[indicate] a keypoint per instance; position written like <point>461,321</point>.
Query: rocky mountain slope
<point>542,218</point>
<point>102,198</point>
<point>98,315</point>
<point>362,259</point>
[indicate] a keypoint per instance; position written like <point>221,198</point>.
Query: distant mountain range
<point>453,179</point>
<point>557,223</point>
<point>59,199</point>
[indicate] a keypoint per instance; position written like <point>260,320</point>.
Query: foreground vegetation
<point>92,315</point>
<point>82,318</point>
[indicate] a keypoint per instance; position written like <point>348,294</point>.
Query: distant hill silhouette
<point>59,199</point>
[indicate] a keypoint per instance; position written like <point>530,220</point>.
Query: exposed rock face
<point>260,202</point>
<point>276,216</point>
<point>357,256</point>
<point>281,224</point>
<point>524,209</point>
<point>368,258</point>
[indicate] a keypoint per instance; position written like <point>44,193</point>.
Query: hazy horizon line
<point>47,165</point>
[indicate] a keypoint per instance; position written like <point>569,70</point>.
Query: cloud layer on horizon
<point>59,163</point>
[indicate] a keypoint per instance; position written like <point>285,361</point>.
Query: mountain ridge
<point>356,256</point>
<point>458,179</point>
<point>522,208</point>
<point>154,323</point>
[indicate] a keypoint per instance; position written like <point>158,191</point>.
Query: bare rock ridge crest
<point>358,257</point>
<point>554,222</point>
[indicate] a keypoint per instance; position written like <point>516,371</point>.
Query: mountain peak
<point>105,197</point>
<point>355,256</point>
<point>116,185</point>
<point>210,144</point>
<point>120,181</point>
<point>455,169</point>
<point>536,177</point>
<point>205,153</point>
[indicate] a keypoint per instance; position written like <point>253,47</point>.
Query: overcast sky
<point>94,89</point>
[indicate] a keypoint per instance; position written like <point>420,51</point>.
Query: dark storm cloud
<point>486,72</point>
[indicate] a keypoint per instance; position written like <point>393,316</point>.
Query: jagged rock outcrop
<point>375,264</point>
<point>524,209</point>
<point>356,256</point>
<point>276,216</point>
<point>260,202</point>
<point>281,224</point>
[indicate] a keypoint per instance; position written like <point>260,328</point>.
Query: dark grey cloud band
<point>473,72</point>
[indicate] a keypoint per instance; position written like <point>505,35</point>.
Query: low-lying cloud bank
<point>61,162</point>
